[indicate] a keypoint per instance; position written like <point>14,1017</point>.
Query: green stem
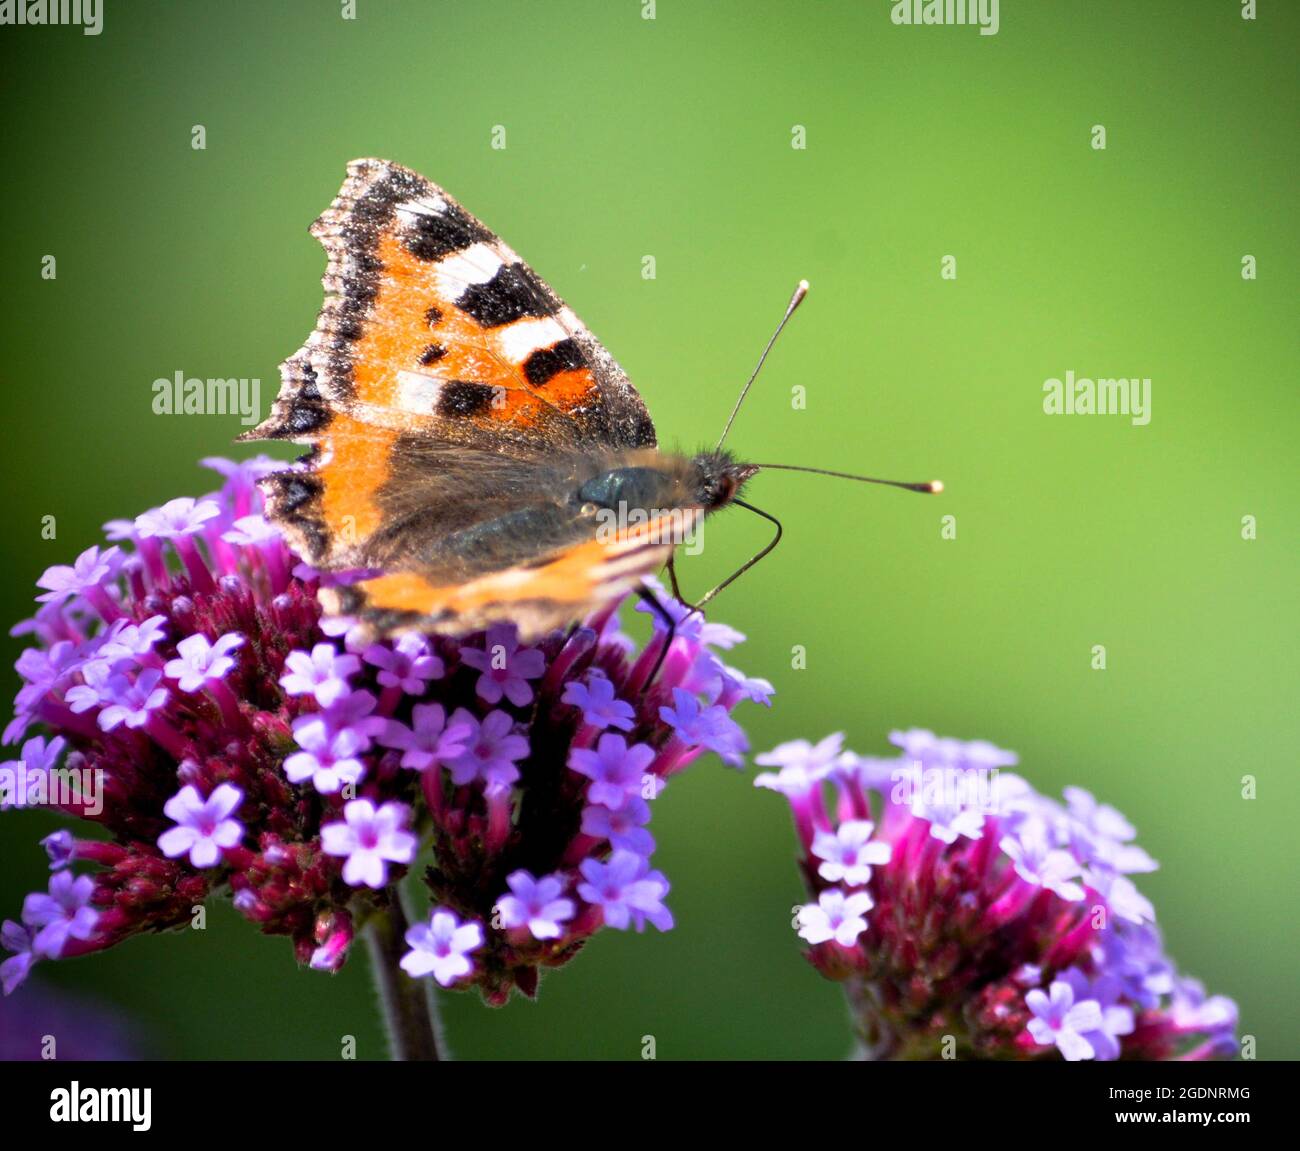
<point>873,1041</point>
<point>410,1011</point>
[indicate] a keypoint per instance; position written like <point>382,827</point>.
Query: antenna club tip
<point>936,486</point>
<point>803,287</point>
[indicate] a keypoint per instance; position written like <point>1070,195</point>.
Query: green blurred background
<point>671,137</point>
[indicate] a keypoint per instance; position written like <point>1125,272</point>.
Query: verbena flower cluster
<point>223,737</point>
<point>969,916</point>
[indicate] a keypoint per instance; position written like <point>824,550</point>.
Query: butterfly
<point>476,455</point>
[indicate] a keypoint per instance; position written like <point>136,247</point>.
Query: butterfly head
<point>718,478</point>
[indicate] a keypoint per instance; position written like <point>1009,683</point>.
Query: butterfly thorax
<point>654,480</point>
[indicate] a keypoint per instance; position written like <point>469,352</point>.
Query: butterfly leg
<point>648,597</point>
<point>671,565</point>
<point>749,563</point>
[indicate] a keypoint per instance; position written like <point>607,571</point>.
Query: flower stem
<point>873,1040</point>
<point>409,1009</point>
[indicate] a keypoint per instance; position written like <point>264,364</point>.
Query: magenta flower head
<point>967,916</point>
<point>228,740</point>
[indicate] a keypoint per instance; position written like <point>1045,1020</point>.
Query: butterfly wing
<point>438,355</point>
<point>539,565</point>
<point>525,548</point>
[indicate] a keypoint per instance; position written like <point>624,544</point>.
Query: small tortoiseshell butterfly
<point>467,431</point>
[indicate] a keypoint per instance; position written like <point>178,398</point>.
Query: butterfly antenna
<point>932,487</point>
<point>795,301</point>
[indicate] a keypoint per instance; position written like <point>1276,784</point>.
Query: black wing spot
<point>514,292</point>
<point>432,237</point>
<point>432,354</point>
<point>295,490</point>
<point>306,416</point>
<point>465,398</point>
<point>545,363</point>
<point>309,389</point>
<point>350,327</point>
<point>433,317</point>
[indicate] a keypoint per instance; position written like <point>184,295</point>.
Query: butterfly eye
<point>587,509</point>
<point>722,491</point>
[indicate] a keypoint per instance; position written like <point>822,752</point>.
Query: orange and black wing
<point>575,571</point>
<point>438,355</point>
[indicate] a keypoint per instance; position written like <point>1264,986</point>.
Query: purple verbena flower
<point>806,762</point>
<point>405,664</point>
<point>1036,861</point>
<point>1058,1021</point>
<point>835,916</point>
<point>1122,896</point>
<point>323,673</point>
<point>129,701</point>
<point>623,828</point>
<point>626,890</point>
<point>1117,1017</point>
<point>441,948</point>
<point>848,852</point>
<point>710,727</point>
<point>60,847</point>
<point>429,741</point>
<point>203,826</point>
<point>599,706</point>
<point>199,662</point>
<point>506,667</point>
<point>536,904</point>
<point>370,838</point>
<point>492,749</point>
<point>19,940</point>
<point>133,642</point>
<point>737,685</point>
<point>330,755</point>
<point>62,914</point>
<point>94,690</point>
<point>1005,929</point>
<point>88,573</point>
<point>193,661</point>
<point>22,778</point>
<point>251,532</point>
<point>616,770</point>
<point>179,517</point>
